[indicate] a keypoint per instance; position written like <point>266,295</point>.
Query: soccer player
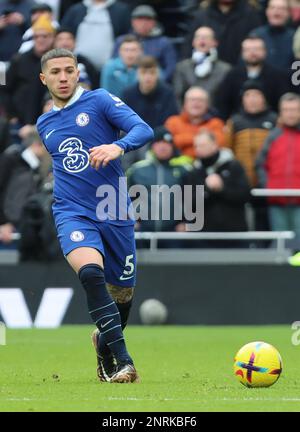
<point>81,133</point>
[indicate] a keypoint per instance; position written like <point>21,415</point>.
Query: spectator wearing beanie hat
<point>36,11</point>
<point>246,132</point>
<point>149,32</point>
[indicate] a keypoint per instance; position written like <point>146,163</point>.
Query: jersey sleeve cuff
<point>123,147</point>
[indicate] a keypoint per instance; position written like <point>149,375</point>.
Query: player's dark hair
<point>147,62</point>
<point>57,53</point>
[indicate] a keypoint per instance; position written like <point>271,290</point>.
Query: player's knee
<point>120,294</point>
<point>91,276</point>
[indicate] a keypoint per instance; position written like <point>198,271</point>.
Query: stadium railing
<point>152,254</point>
<point>278,253</point>
<point>279,236</point>
<point>275,192</point>
<point>197,256</point>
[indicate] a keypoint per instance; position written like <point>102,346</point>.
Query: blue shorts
<point>116,244</point>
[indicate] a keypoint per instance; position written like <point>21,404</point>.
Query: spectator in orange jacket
<point>194,117</point>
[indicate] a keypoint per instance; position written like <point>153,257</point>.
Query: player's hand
<point>103,154</point>
<point>6,232</point>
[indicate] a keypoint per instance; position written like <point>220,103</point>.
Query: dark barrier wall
<point>193,294</point>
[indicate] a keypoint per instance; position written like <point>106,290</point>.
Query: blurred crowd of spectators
<point>214,79</point>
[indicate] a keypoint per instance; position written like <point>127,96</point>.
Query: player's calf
<point>103,311</point>
<point>105,360</point>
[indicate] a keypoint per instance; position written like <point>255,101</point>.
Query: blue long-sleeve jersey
<point>90,119</point>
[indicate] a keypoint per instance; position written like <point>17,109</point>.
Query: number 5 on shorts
<point>129,264</point>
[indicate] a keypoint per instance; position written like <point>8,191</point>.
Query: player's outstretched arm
<point>103,154</point>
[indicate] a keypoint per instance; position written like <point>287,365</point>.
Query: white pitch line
<point>261,399</point>
<point>194,400</point>
<point>167,399</point>
<point>24,399</point>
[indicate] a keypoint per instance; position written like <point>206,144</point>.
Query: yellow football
<point>257,364</point>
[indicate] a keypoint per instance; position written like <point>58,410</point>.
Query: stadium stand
<point>234,65</point>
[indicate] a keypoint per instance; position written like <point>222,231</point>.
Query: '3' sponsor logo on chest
<point>77,159</point>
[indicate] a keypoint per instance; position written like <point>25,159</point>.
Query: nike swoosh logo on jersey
<point>49,133</point>
<point>104,325</point>
<point>125,278</point>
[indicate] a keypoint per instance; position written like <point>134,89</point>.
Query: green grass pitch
<point>182,368</point>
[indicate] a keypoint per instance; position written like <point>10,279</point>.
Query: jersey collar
<point>74,98</point>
